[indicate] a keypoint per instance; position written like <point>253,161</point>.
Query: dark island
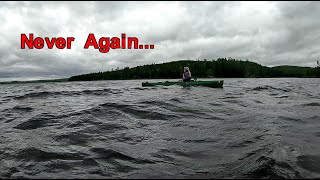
<point>220,68</point>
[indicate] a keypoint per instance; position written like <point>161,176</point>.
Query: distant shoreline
<point>221,68</point>
<point>66,79</point>
<point>34,81</point>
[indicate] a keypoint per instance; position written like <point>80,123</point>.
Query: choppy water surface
<point>252,128</point>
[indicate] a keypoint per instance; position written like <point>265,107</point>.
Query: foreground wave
<point>252,128</point>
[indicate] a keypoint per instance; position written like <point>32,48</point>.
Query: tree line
<point>220,68</point>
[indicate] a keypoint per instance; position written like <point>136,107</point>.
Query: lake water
<point>252,128</point>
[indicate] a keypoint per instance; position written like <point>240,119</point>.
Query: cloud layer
<point>269,33</point>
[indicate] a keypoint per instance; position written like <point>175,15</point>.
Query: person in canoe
<point>186,76</point>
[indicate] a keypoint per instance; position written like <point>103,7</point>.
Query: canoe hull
<point>212,84</point>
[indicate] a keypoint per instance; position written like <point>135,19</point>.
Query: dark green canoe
<point>212,84</point>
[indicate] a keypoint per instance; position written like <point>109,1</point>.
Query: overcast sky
<point>269,33</point>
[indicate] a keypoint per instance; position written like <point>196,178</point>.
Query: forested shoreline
<point>219,68</point>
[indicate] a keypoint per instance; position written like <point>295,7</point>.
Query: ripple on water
<point>118,129</point>
<point>309,162</point>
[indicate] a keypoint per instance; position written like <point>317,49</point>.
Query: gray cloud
<point>269,33</point>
